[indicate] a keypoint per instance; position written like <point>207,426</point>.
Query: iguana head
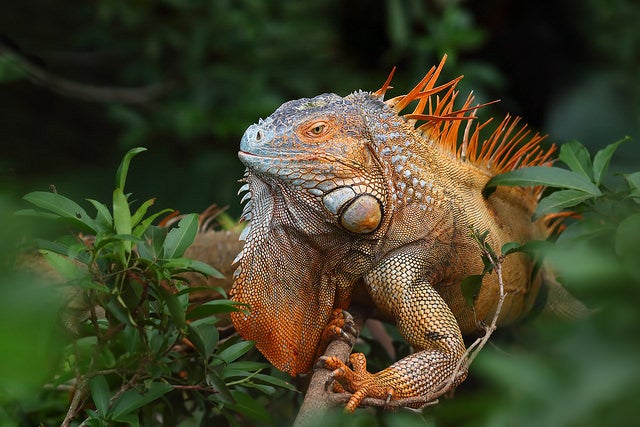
<point>319,150</point>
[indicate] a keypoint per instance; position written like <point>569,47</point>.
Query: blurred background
<point>83,82</point>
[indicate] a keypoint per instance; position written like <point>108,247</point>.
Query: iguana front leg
<point>398,288</point>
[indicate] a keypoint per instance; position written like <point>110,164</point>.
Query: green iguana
<point>349,199</point>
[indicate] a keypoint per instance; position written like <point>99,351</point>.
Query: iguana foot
<point>426,374</point>
<point>340,326</point>
<point>358,380</point>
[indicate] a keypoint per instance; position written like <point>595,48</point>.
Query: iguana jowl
<point>349,196</point>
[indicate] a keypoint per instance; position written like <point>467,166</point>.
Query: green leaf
<point>559,200</point>
<point>275,381</point>
<point>103,215</point>
<point>234,351</point>
<point>510,247</point>
<point>246,405</point>
<point>100,393</point>
<point>176,308</point>
<point>247,365</point>
<point>547,176</point>
<point>63,265</point>
<point>121,216</point>
<point>577,157</point>
<point>62,206</point>
<point>214,307</point>
<point>193,289</point>
<point>123,169</point>
<point>132,399</point>
<point>223,394</point>
<point>103,239</point>
<point>535,248</point>
<point>188,264</point>
<point>633,180</point>
<point>603,157</point>
<point>627,235</point>
<point>141,211</point>
<point>203,334</point>
<point>151,249</point>
<point>36,214</point>
<point>181,237</point>
<point>141,228</point>
<point>470,286</point>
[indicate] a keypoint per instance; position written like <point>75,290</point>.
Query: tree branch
<point>87,92</point>
<point>318,399</point>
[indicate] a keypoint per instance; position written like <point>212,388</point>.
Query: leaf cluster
<point>548,370</point>
<point>139,349</point>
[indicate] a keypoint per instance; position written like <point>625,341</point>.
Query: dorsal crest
<point>510,146</point>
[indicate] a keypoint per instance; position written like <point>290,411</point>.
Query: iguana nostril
<point>259,135</point>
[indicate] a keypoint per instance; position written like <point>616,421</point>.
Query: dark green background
<point>569,67</point>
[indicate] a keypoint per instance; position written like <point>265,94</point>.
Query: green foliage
<point>139,350</point>
<point>583,182</point>
<point>471,284</point>
<point>583,372</point>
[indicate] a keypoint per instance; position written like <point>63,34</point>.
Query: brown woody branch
<point>318,399</point>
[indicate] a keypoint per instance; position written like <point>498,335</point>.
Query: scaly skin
<point>346,194</point>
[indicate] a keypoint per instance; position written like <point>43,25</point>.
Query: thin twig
<point>76,401</point>
<point>87,92</point>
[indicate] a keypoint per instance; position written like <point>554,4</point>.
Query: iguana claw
<point>340,326</point>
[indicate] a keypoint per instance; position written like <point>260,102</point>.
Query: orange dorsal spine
<point>510,146</point>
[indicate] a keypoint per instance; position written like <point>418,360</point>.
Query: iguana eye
<point>317,129</point>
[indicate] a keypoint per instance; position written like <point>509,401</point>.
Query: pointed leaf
<point>175,307</point>
<point>223,394</point>
<point>100,393</point>
<point>103,216</point>
<point>63,265</point>
<point>188,264</point>
<point>123,169</point>
<point>633,180</point>
<point>510,247</point>
<point>603,157</point>
<point>141,211</point>
<point>470,286</point>
<point>62,249</point>
<point>547,176</point>
<point>234,351</point>
<point>181,237</point>
<point>559,200</point>
<point>121,215</point>
<point>141,228</point>
<point>62,206</point>
<point>214,307</point>
<point>275,381</point>
<point>132,399</point>
<point>36,214</point>
<point>204,335</point>
<point>577,157</point>
<point>246,405</point>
